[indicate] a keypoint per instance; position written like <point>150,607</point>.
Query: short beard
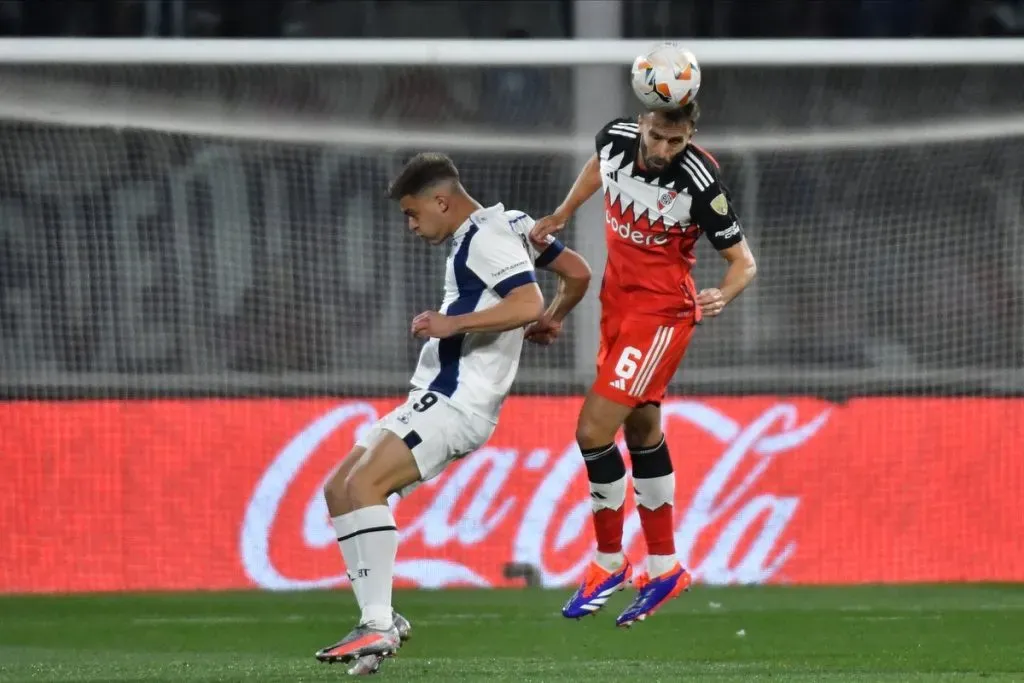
<point>646,158</point>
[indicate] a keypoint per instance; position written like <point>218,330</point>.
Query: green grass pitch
<point>906,634</point>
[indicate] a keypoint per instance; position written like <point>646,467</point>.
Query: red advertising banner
<point>214,494</point>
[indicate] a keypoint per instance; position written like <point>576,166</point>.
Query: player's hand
<point>546,226</point>
<point>543,332</point>
<point>711,302</point>
<point>433,324</point>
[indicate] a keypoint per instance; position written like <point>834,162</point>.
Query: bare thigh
<point>388,466</point>
<point>643,426</point>
<point>367,476</point>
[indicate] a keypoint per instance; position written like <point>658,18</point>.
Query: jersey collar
<point>473,217</point>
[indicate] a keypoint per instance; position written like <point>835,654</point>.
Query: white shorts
<point>436,431</point>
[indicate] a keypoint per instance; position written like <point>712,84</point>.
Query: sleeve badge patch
<point>720,205</point>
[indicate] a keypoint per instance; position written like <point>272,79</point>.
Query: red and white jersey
<point>652,223</point>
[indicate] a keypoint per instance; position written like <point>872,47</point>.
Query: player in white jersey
<point>491,304</point>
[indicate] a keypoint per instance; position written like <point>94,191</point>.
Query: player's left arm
<point>714,213</point>
<point>520,305</point>
<point>741,271</point>
<point>573,271</point>
<point>574,275</point>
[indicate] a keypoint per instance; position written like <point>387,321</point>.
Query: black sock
<point>653,461</point>
<point>604,464</point>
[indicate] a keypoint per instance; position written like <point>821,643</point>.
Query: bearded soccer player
<point>465,372</point>
<point>661,192</point>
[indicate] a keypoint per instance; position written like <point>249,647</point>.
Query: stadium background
<point>198,310</point>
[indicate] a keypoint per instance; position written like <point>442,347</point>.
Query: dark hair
<point>688,113</point>
<point>422,171</point>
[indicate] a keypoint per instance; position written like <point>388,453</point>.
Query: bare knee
<point>336,489</point>
<point>335,494</point>
<point>362,488</point>
<point>596,428</point>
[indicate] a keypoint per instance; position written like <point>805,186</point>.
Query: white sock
<point>376,548</point>
<point>345,528</point>
<point>610,562</point>
<point>660,564</point>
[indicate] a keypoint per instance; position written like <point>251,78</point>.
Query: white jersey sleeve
<point>499,257</point>
<point>541,254</point>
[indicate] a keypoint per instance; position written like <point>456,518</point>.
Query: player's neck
<point>461,209</point>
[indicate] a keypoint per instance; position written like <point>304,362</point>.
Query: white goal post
<point>861,134</point>
<point>807,53</point>
<point>585,52</point>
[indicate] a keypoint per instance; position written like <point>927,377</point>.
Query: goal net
<point>172,233</point>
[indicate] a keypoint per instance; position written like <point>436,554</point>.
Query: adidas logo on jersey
<point>625,129</point>
<point>619,384</point>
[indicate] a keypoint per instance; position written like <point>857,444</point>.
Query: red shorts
<point>638,357</point>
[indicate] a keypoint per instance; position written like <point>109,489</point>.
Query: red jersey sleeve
<point>712,208</point>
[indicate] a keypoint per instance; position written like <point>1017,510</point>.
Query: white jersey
<point>491,255</point>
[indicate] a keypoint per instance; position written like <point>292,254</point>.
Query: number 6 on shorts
<point>641,362</point>
<point>627,367</point>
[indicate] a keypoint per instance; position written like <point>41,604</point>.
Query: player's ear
<point>442,202</point>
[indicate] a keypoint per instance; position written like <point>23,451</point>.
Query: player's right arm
<point>587,183</point>
<point>502,261</point>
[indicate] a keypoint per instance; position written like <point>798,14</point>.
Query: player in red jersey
<point>661,192</point>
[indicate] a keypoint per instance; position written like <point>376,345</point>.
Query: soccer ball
<point>667,77</point>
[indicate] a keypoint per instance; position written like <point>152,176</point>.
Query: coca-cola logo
<point>528,503</point>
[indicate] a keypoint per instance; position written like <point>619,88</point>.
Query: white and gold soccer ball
<point>666,77</point>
